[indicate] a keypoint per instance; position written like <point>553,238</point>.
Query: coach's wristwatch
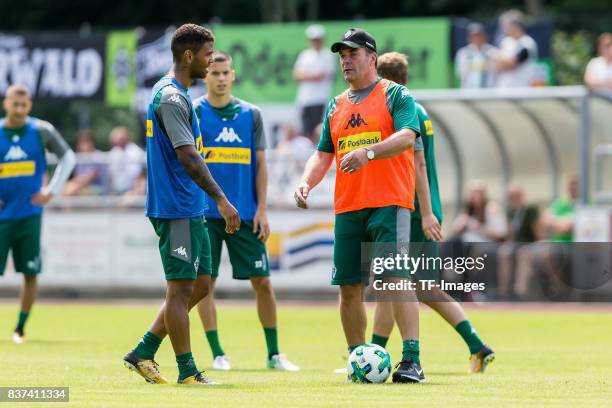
<point>369,153</point>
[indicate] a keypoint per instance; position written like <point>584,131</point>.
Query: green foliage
<point>571,53</point>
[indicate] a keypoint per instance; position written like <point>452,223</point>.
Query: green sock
<point>351,348</point>
<point>213,341</point>
<point>410,350</point>
<point>23,317</point>
<point>380,340</point>
<point>148,346</point>
<point>271,341</point>
<point>470,337</point>
<point>186,366</point>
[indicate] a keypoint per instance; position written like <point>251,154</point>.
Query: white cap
<point>315,31</point>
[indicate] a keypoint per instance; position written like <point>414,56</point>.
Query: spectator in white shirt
<point>516,60</point>
<point>126,161</point>
<point>314,70</point>
<point>473,63</point>
<point>598,74</point>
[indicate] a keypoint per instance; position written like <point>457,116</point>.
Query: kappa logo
<point>355,121</point>
<point>181,251</point>
<point>228,135</point>
<point>176,99</point>
<point>15,153</point>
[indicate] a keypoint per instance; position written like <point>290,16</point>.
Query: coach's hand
<point>431,227</point>
<point>229,214</point>
<point>354,160</point>
<point>260,223</point>
<point>301,195</point>
<point>42,197</point>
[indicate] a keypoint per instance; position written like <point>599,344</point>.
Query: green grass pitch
<point>544,358</point>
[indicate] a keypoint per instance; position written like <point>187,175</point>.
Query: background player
<point>235,144</point>
<point>177,179</point>
<point>23,141</point>
<point>394,66</point>
<point>374,193</point>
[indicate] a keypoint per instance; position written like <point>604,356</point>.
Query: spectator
<point>294,145</point>
<point>482,220</point>
<point>473,63</point>
<point>598,74</point>
<point>523,230</point>
<point>516,60</point>
<point>553,258</point>
<point>314,70</point>
<point>90,174</point>
<point>126,161</point>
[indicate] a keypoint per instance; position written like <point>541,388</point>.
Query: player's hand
<point>431,227</point>
<point>42,198</point>
<point>354,160</point>
<point>260,223</point>
<point>230,215</point>
<point>301,195</point>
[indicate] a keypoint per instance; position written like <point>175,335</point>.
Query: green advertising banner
<point>264,54</point>
<point>120,69</point>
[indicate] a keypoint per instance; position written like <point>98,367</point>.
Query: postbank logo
<point>353,142</point>
<point>428,128</point>
<point>237,155</point>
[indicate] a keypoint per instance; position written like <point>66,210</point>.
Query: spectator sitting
<point>552,258</point>
<point>482,220</point>
<point>126,161</point>
<point>314,70</point>
<point>598,74</point>
<point>523,223</point>
<point>516,60</point>
<point>473,63</point>
<point>294,145</point>
<point>90,175</point>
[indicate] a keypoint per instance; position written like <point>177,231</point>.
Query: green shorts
<point>420,245</point>
<point>385,225</point>
<point>184,247</point>
<point>22,237</point>
<point>247,253</point>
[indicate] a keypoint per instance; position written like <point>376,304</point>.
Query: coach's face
<point>220,78</point>
<point>17,108</point>
<point>200,60</point>
<point>355,63</point>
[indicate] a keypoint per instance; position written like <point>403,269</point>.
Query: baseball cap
<point>355,38</point>
<point>315,31</point>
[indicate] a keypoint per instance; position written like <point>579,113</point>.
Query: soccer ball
<point>369,363</point>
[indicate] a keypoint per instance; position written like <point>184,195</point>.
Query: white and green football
<point>369,363</point>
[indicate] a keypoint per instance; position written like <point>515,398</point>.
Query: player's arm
<point>261,227</point>
<point>175,116</point>
<point>429,222</point>
<point>405,120</point>
<point>54,143</point>
<point>317,164</point>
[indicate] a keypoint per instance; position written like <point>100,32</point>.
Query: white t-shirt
<point>473,66</point>
<point>600,69</point>
<point>525,72</point>
<point>125,166</point>
<point>313,62</point>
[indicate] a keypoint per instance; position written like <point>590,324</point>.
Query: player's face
<point>201,60</point>
<point>220,78</point>
<point>354,62</point>
<point>17,108</point>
